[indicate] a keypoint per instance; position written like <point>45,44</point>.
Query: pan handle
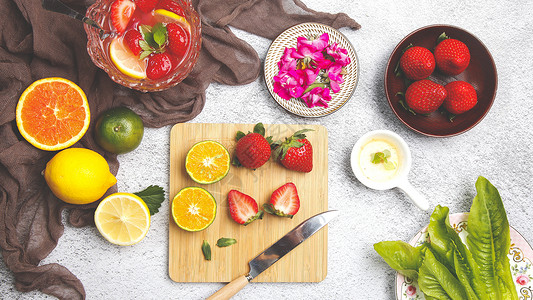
<point>230,289</point>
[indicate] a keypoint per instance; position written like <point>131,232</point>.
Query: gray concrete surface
<point>444,169</point>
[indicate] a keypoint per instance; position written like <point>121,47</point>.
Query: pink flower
<point>318,96</point>
<point>522,279</point>
<point>335,77</point>
<point>410,291</point>
<point>290,84</point>
<point>340,55</point>
<point>287,61</point>
<point>311,49</point>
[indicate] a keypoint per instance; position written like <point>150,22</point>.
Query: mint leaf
<point>159,32</point>
<point>153,196</point>
<point>386,152</point>
<point>148,35</point>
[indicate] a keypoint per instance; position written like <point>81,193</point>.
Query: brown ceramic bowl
<point>480,73</point>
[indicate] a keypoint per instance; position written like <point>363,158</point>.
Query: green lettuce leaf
<point>451,252</point>
<point>401,256</point>
<point>436,281</point>
<point>489,241</point>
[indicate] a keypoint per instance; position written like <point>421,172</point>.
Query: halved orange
<point>207,162</point>
<point>53,113</point>
<point>194,209</point>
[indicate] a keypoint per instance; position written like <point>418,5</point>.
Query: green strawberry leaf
<point>404,104</point>
<point>153,196</point>
<point>442,37</point>
<point>259,128</point>
<point>239,135</point>
<point>300,133</point>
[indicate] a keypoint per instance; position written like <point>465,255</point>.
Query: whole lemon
<point>78,175</point>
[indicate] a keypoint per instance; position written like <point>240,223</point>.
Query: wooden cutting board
<point>306,263</point>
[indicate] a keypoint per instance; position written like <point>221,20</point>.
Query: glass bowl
<point>98,48</point>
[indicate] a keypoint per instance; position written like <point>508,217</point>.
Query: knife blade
<point>273,253</point>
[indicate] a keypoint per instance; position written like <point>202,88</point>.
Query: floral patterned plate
<point>288,39</point>
<point>520,257</point>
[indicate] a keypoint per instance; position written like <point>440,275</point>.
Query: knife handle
<point>230,289</point>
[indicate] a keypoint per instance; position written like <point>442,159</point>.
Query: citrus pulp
<point>78,175</point>
<point>194,209</point>
<point>119,130</point>
<point>125,61</point>
<point>53,113</point>
<point>207,162</point>
<point>122,218</point>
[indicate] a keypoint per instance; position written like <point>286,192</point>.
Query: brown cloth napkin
<point>35,43</point>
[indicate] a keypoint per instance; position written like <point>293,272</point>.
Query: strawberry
<point>132,38</point>
<point>243,208</point>
<point>452,56</point>
<point>159,65</point>
<point>178,39</point>
<point>417,63</point>
<point>253,149</point>
<point>296,152</point>
<point>425,96</point>
<point>146,5</point>
<point>461,97</point>
<point>121,12</point>
<point>172,6</point>
<point>284,202</point>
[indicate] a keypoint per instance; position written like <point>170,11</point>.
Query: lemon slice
<point>122,218</point>
<point>127,62</point>
<point>166,16</point>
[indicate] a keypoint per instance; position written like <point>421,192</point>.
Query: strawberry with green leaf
<point>253,149</point>
<point>296,152</point>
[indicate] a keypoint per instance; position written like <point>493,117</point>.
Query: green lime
<point>119,130</point>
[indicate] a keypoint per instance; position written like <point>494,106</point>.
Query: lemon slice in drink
<point>122,219</point>
<point>127,62</point>
<point>166,16</point>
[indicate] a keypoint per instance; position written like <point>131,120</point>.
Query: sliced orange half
<point>207,162</point>
<point>125,61</point>
<point>53,113</point>
<point>194,209</point>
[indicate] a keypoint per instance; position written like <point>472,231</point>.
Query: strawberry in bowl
<point>153,45</point>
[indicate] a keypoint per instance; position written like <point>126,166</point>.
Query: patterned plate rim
<point>339,102</point>
<point>458,218</point>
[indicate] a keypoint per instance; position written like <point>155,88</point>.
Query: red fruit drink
<point>154,43</point>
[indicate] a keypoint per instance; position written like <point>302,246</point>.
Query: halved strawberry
<point>243,208</point>
<point>132,38</point>
<point>284,201</point>
<point>121,12</point>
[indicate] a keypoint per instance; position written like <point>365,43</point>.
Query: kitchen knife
<point>273,253</point>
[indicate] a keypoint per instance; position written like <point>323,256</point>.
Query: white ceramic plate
<point>520,257</point>
<point>288,39</point>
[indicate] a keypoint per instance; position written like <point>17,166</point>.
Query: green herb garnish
<point>153,196</point>
<point>225,242</point>
<point>206,249</point>
<point>154,39</point>
<point>382,158</point>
